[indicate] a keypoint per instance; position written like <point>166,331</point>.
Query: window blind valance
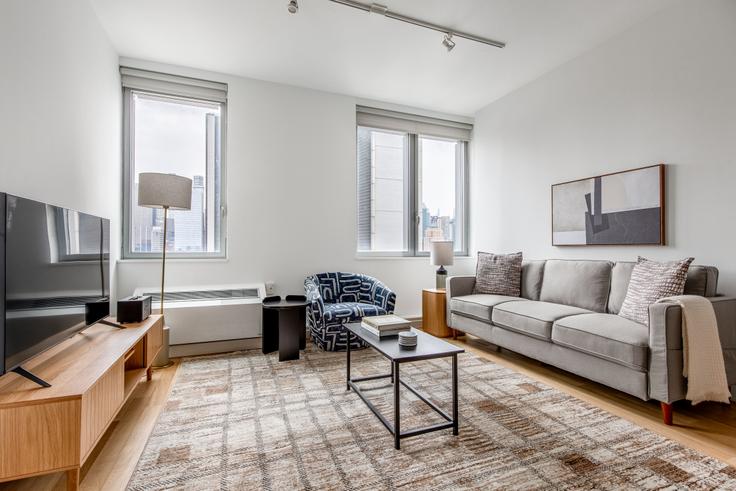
<point>412,123</point>
<point>163,83</point>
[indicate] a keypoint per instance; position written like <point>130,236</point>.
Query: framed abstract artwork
<point>622,208</point>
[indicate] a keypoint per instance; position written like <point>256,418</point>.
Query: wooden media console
<point>92,374</point>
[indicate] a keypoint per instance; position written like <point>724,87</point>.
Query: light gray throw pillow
<point>498,274</point>
<point>651,281</point>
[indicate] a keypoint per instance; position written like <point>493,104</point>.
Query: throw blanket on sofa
<point>702,352</point>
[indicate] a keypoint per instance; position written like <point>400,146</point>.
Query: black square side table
<point>284,326</point>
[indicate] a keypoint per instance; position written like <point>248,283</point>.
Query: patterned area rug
<point>246,421</point>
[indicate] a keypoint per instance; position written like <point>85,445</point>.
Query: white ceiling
<point>338,49</point>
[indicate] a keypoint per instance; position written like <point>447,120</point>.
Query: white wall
<point>60,107</point>
<point>291,197</point>
<point>664,91</point>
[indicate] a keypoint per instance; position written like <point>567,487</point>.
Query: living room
<point>489,118</point>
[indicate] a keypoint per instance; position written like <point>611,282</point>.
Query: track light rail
<point>383,10</point>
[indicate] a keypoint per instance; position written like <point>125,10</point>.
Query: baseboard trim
<point>213,347</point>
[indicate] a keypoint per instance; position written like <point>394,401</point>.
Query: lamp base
<point>441,280</point>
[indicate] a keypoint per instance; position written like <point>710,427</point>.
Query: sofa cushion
<point>349,311</point>
<point>583,284</point>
<point>532,273</point>
<point>531,317</point>
<point>606,336</point>
<point>620,276</point>
<point>498,274</point>
<point>652,281</point>
<point>701,280</point>
<point>478,306</point>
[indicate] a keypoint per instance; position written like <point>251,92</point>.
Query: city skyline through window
<point>182,137</point>
<point>410,191</point>
<point>437,164</point>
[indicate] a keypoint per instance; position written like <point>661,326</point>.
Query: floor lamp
<point>167,191</point>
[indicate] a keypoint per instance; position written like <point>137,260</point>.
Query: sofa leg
<point>666,413</point>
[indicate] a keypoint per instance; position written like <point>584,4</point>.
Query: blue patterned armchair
<point>339,298</point>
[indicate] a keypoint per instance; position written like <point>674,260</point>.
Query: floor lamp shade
<point>441,253</point>
<point>156,190</point>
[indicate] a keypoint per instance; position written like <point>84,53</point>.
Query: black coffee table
<point>428,347</point>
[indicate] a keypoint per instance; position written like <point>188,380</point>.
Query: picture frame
<point>619,208</point>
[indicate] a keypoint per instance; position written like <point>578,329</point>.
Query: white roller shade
<point>163,83</point>
<point>412,123</point>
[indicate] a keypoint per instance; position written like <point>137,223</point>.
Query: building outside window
<point>174,125</point>
<point>412,183</point>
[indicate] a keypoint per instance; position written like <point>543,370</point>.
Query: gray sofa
<point>566,317</point>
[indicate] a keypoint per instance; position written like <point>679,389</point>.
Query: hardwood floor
<point>114,459</point>
<point>709,428</point>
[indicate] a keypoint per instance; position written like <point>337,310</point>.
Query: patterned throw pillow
<point>498,274</point>
<point>650,281</point>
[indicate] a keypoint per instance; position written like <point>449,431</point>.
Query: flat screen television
<point>54,277</point>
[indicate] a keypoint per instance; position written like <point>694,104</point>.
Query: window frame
<point>129,169</point>
<point>413,216</point>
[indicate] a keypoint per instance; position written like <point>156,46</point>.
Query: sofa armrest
<point>666,383</point>
<point>725,308</point>
<point>457,286</point>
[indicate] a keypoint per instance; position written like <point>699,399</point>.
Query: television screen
<point>57,274</point>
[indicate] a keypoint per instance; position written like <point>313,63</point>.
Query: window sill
<point>144,260</point>
<point>369,257</point>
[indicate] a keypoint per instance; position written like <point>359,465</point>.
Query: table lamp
<point>441,254</point>
<point>167,191</point>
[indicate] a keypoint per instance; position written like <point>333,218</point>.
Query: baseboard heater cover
<point>214,347</point>
<point>203,315</point>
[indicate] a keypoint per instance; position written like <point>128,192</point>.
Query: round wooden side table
<point>434,313</point>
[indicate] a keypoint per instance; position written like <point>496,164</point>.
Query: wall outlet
<point>269,288</point>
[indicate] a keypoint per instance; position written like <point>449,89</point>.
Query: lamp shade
<point>156,190</point>
<point>441,252</point>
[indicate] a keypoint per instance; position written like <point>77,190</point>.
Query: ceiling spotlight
<point>293,6</point>
<point>448,42</point>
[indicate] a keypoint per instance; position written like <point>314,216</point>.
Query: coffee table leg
<point>455,415</point>
<point>348,352</point>
<point>397,407</point>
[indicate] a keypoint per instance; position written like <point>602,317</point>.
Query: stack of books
<point>385,325</point>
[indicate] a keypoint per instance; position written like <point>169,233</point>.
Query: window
<point>174,125</point>
<point>411,183</point>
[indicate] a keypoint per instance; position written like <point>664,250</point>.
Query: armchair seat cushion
<point>531,317</point>
<point>608,336</point>
<point>479,306</point>
<point>350,311</point>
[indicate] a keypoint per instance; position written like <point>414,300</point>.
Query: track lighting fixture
<point>448,42</point>
<point>293,6</point>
